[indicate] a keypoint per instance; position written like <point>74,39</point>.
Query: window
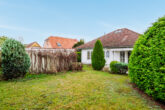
<point>129,53</point>
<point>118,31</point>
<point>58,44</point>
<point>107,54</point>
<point>122,56</point>
<point>88,55</point>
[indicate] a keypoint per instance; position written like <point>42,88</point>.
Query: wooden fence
<point>51,60</point>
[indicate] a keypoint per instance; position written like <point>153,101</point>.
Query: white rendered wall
<point>84,59</point>
<point>114,55</point>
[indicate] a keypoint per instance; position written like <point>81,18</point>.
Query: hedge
<point>118,68</point>
<point>147,61</point>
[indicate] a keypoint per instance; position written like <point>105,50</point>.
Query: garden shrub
<point>118,68</point>
<point>79,56</point>
<point>112,66</point>
<point>15,60</point>
<point>98,61</point>
<point>147,61</point>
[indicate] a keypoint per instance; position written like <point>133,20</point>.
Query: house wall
<point>114,55</point>
<point>84,59</point>
<point>36,45</point>
<point>47,44</point>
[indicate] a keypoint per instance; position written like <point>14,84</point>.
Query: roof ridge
<point>114,39</point>
<point>27,45</point>
<point>131,30</point>
<point>100,37</point>
<point>61,37</point>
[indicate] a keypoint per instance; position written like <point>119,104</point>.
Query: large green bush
<point>15,60</point>
<point>118,68</point>
<point>98,60</point>
<point>147,61</point>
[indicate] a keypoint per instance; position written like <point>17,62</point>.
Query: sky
<point>36,20</point>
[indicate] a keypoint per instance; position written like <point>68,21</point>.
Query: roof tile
<point>60,42</point>
<point>117,39</point>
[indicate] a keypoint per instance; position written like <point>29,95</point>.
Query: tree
<point>81,42</point>
<point>147,61</point>
<point>98,61</point>
<point>15,60</point>
<point>2,40</point>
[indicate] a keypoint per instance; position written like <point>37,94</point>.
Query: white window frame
<point>122,56</point>
<point>129,54</point>
<point>107,54</point>
<point>88,55</point>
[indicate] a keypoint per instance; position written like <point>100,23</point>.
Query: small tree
<point>15,60</point>
<point>98,60</point>
<point>81,42</point>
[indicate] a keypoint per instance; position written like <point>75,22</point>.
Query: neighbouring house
<point>59,42</point>
<point>117,46</point>
<point>33,45</point>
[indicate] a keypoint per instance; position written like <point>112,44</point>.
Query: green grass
<point>72,90</point>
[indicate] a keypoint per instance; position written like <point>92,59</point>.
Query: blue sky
<point>35,20</point>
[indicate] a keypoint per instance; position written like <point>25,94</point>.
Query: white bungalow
<point>117,46</point>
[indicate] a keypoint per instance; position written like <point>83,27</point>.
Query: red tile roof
<point>60,42</point>
<point>121,38</point>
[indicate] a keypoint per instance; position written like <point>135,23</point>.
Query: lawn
<point>73,90</point>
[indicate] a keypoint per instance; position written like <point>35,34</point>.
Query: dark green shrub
<point>118,68</point>
<point>98,60</point>
<point>122,67</point>
<point>15,60</point>
<point>79,56</point>
<point>147,61</point>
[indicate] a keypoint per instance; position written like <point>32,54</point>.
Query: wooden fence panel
<point>51,60</point>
